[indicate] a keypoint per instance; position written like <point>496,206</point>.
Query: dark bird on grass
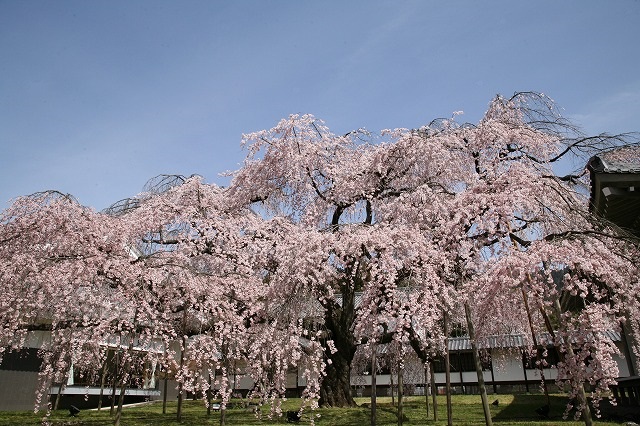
<point>293,417</point>
<point>74,411</point>
<point>543,411</point>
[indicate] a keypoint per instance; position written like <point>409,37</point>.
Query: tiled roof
<point>625,159</point>
<point>513,341</point>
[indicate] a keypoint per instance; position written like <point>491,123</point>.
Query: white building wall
<point>468,377</point>
<point>18,390</point>
<point>507,365</point>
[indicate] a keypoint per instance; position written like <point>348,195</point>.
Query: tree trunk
<point>180,383</point>
<point>434,392</point>
<point>59,394</point>
<point>400,393</point>
<point>164,392</point>
<point>335,389</point>
<point>102,380</point>
<point>123,384</point>
<point>393,398</point>
<point>227,391</point>
<point>426,388</point>
<point>209,396</point>
<point>535,344</point>
<point>115,383</point>
<point>447,369</point>
<point>180,399</point>
<point>476,358</point>
<point>123,387</point>
<point>63,384</point>
<point>374,375</point>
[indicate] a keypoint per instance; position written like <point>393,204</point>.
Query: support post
<point>400,392</point>
<point>434,391</point>
<point>374,374</point>
<point>447,370</point>
<point>476,358</point>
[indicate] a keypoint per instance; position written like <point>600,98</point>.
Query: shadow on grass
<point>467,410</point>
<point>524,408</point>
<point>531,408</point>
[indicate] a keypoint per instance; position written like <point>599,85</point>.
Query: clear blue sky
<point>96,97</point>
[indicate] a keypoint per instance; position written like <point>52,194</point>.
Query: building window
<point>26,359</point>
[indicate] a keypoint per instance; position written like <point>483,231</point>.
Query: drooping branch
<point>585,147</point>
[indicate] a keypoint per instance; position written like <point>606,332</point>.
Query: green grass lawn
<point>517,410</point>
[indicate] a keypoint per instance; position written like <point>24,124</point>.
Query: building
<point>615,187</point>
<point>615,197</point>
<point>507,368</point>
<point>19,376</point>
